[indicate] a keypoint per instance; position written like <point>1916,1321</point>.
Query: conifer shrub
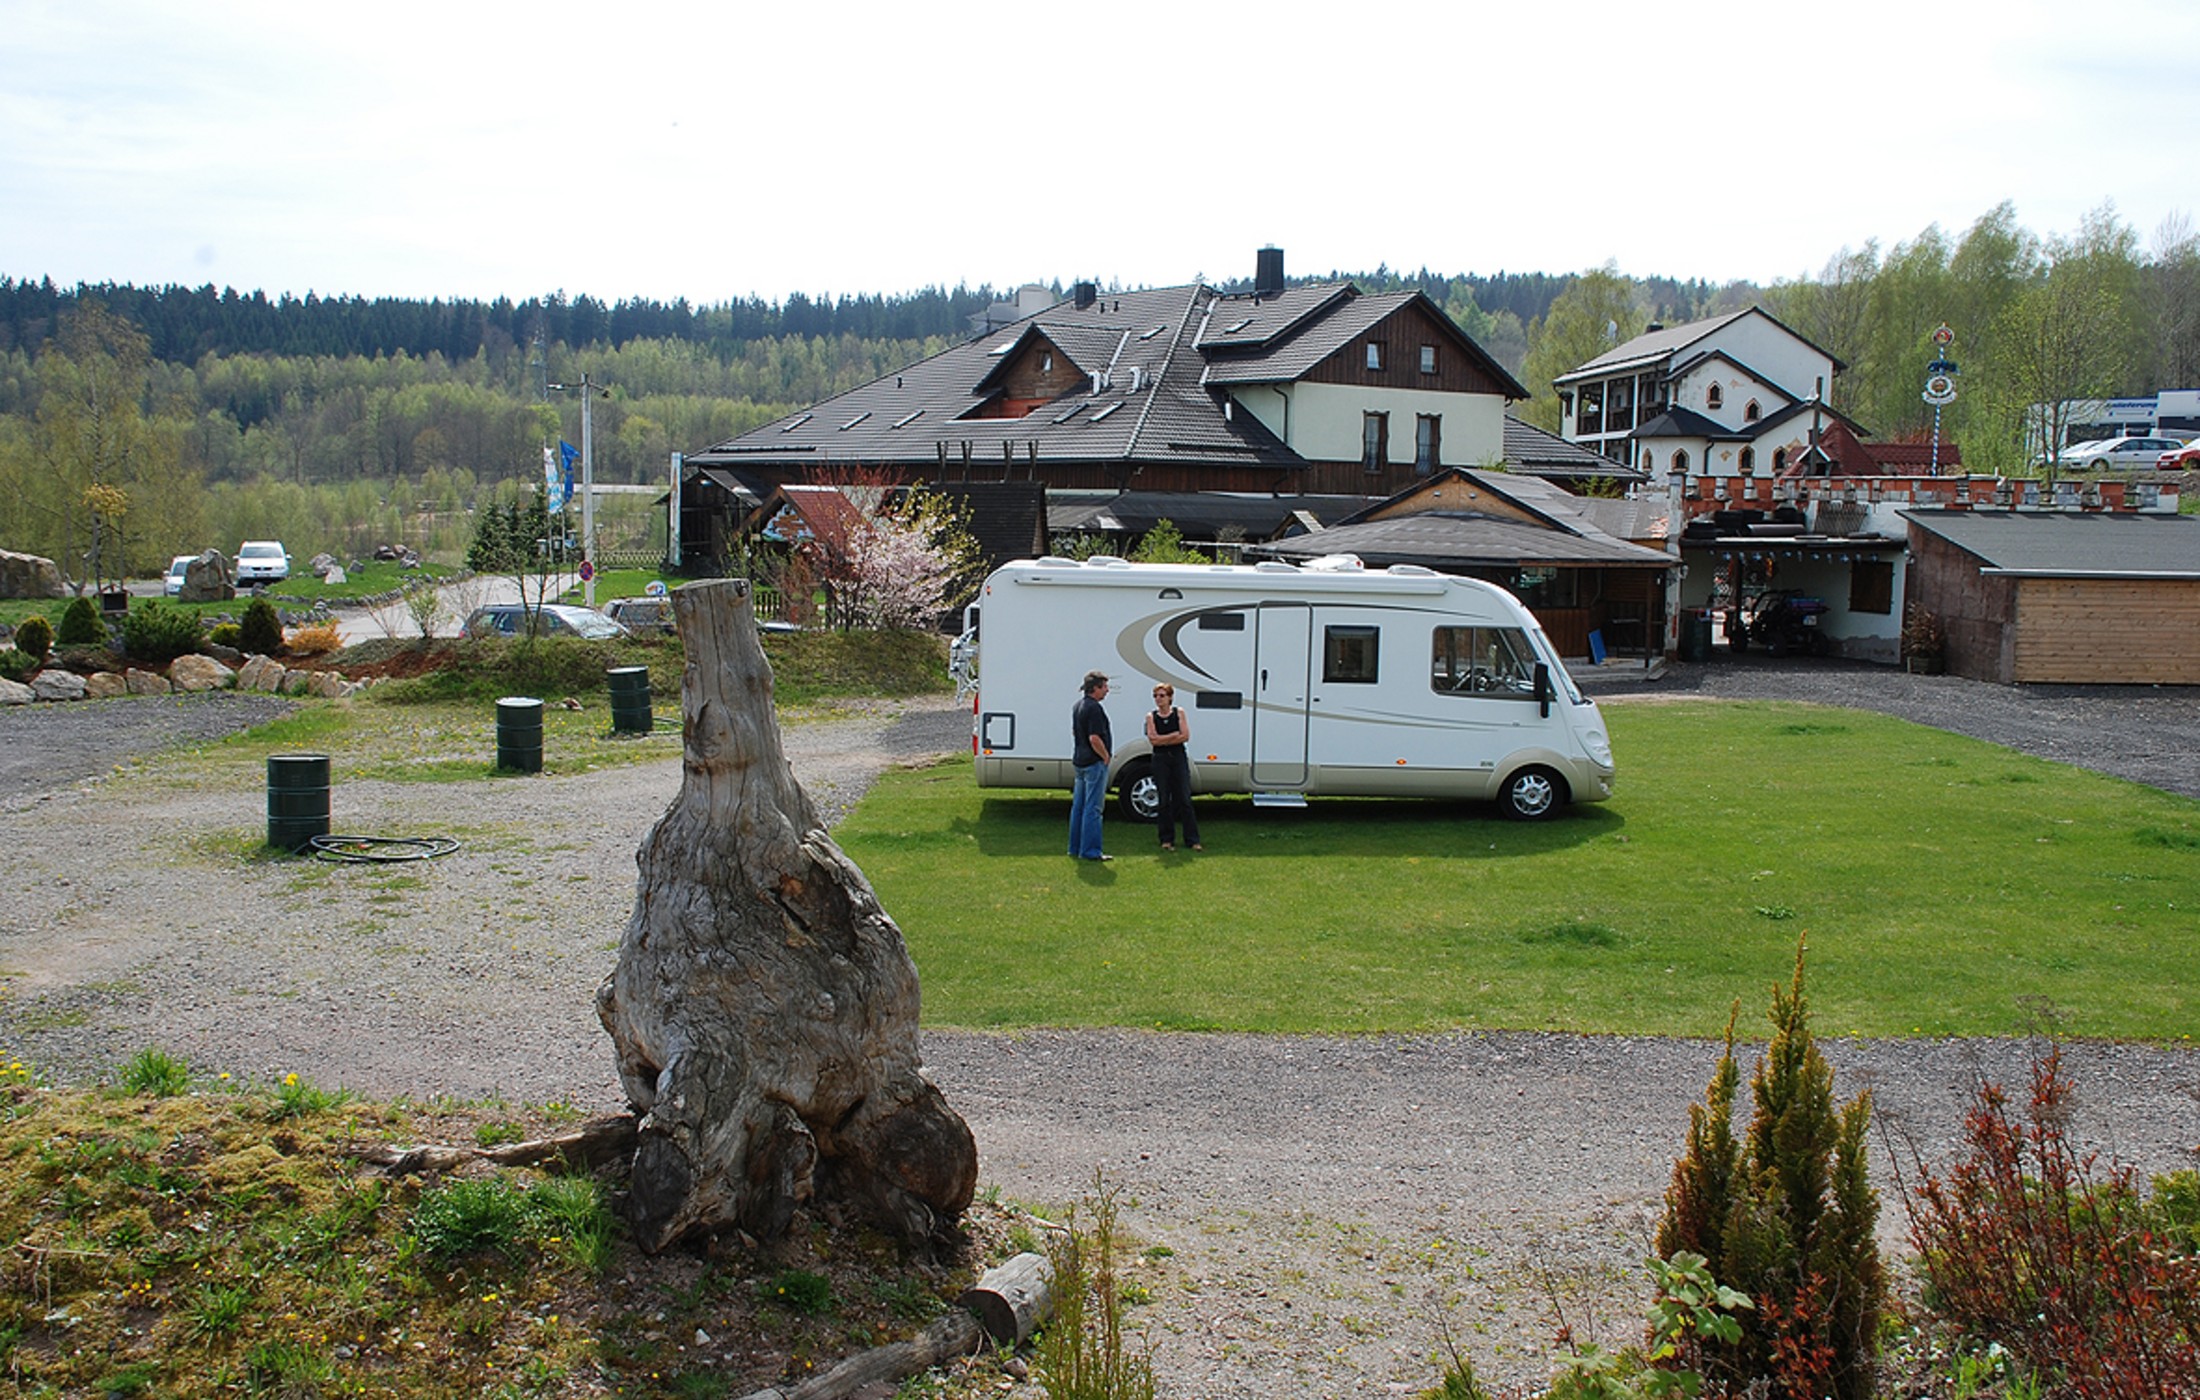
<point>1785,1214</point>
<point>80,625</point>
<point>157,634</point>
<point>17,665</point>
<point>225,634</point>
<point>261,631</point>
<point>34,636</point>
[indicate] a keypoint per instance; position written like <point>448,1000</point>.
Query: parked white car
<point>172,583</point>
<point>262,561</point>
<point>2117,452</point>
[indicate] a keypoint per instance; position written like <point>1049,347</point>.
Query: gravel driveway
<point>1317,1194</point>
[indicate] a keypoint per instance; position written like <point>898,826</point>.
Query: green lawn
<point>1943,885</point>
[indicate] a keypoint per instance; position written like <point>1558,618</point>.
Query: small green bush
<point>156,1074</point>
<point>261,632</point>
<point>157,634</point>
<point>225,634</point>
<point>80,625</point>
<point>798,1290</point>
<point>17,665</point>
<point>34,635</point>
<point>462,1217</point>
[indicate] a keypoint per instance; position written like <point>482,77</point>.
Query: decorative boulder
<point>58,685</point>
<point>105,685</point>
<point>15,692</point>
<point>145,682</point>
<point>297,682</point>
<point>261,673</point>
<point>207,579</point>
<point>321,564</point>
<point>29,576</point>
<point>335,574</point>
<point>195,673</point>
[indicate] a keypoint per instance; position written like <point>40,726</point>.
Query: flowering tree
<point>889,564</point>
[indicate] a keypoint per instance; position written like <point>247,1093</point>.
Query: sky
<point>713,151</point>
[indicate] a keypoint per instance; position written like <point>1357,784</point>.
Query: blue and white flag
<point>571,455</point>
<point>554,485</point>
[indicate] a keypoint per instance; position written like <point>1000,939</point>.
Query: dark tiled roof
<point>1144,355</point>
<point>1532,452</point>
<point>1443,540</point>
<point>2070,542</point>
<point>1687,423</point>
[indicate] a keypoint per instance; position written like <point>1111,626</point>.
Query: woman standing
<point>1168,729</point>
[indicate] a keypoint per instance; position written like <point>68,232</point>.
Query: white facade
<point>1325,422</point>
<point>1734,371</point>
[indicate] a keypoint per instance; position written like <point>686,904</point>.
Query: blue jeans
<point>1086,799</point>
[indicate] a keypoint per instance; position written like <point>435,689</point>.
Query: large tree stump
<point>764,1007</point>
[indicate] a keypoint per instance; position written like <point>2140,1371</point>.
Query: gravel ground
<point>1319,1195</point>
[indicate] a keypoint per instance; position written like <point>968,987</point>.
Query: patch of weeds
<point>156,1074</point>
<point>134,1379</point>
<point>575,1220</point>
<point>1809,729</point>
<point>701,1385</point>
<point>466,1217</point>
<point>287,1368</point>
<point>908,1299</point>
<point>1774,911</point>
<point>498,1133</point>
<point>218,1309</point>
<point>1083,1354</point>
<point>61,1019</point>
<point>297,1098</point>
<point>798,1290</point>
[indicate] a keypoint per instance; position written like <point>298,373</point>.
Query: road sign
<point>588,571</point>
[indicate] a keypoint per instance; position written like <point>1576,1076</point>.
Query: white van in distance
<point>1328,679</point>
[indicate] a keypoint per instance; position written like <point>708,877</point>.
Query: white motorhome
<point>1328,679</point>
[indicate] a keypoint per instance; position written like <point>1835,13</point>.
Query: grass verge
<point>222,1242</point>
<point>1941,881</point>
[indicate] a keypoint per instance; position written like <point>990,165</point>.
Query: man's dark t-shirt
<point>1085,721</point>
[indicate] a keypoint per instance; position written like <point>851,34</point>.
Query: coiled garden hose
<point>377,850</point>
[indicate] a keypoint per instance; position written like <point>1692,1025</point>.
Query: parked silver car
<point>550,620</point>
<point>2116,452</point>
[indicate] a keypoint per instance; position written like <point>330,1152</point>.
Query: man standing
<point>1093,747</point>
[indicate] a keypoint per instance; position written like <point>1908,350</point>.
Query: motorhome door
<point>1282,653</point>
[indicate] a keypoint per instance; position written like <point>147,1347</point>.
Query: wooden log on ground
<point>586,1147</point>
<point>764,1008</point>
<point>1018,1295</point>
<point>1013,1299</point>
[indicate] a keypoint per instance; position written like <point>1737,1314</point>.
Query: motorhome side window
<point>1348,654</point>
<point>1493,662</point>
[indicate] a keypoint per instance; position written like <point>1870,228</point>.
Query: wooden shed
<point>2087,597</point>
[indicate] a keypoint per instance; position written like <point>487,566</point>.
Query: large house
<point>1317,388</point>
<point>1733,394</point>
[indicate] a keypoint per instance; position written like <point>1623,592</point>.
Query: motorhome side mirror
<point>1543,687</point>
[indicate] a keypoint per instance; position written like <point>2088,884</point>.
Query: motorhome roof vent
<point>1336,563</point>
<point>1106,561</point>
<point>1413,570</point>
<point>1275,566</point>
<point>1056,560</point>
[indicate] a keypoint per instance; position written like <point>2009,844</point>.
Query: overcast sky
<point>716,150</point>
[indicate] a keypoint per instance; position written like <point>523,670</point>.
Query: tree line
<point>140,423</point>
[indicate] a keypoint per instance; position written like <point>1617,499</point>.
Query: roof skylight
<point>798,422</point>
<point>855,420</point>
<point>906,419</point>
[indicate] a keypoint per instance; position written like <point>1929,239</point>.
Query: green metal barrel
<point>629,699</point>
<point>519,734</point>
<point>297,799</point>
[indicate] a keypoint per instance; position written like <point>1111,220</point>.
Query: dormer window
<point>1749,411</point>
<point>1714,397</point>
<point>1375,354</point>
<point>1428,359</point>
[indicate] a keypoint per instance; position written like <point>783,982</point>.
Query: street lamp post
<point>589,391</point>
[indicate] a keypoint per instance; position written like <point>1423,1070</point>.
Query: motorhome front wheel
<point>1532,794</point>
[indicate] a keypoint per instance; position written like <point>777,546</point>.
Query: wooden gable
<point>1460,368</point>
<point>1455,491</point>
<point>1037,373</point>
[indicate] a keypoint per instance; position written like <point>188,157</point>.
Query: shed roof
<point>2050,543</point>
